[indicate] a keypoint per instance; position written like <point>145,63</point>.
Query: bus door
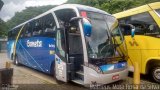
<point>60,57</point>
<point>69,48</point>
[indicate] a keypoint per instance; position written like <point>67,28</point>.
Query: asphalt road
<point>25,78</point>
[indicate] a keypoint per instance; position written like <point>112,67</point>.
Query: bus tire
<point>155,73</point>
<point>16,61</point>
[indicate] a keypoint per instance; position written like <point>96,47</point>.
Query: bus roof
<point>66,6</point>
<point>137,10</point>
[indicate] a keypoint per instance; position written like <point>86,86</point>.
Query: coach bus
<point>72,42</point>
<point>144,46</point>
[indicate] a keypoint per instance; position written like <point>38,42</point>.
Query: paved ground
<point>28,79</point>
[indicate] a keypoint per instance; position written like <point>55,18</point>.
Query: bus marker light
<point>51,52</point>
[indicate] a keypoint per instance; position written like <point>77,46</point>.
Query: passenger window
<point>60,43</point>
<point>125,29</point>
<point>49,26</point>
<point>144,24</point>
<point>37,28</point>
<point>158,11</point>
<point>18,30</point>
<point>10,35</point>
<point>14,33</point>
<point>28,30</point>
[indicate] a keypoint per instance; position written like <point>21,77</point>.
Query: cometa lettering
<point>34,43</point>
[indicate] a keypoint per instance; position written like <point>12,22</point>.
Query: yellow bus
<point>144,46</point>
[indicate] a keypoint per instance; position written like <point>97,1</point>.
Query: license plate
<point>115,77</point>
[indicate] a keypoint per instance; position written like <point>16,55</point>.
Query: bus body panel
<point>38,56</point>
<point>155,5</point>
<point>142,48</point>
<point>92,77</point>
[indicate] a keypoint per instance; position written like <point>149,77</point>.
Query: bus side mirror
<point>132,32</point>
<point>128,29</point>
<point>86,25</point>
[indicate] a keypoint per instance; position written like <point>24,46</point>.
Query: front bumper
<point>91,76</point>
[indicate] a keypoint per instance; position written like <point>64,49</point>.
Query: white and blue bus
<point>74,43</point>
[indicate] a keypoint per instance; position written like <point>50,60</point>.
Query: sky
<point>11,6</point>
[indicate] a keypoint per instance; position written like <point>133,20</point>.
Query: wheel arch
<point>52,67</point>
<point>150,64</point>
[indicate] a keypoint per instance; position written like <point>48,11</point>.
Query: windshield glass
<point>115,30</point>
<point>158,11</point>
<point>98,44</point>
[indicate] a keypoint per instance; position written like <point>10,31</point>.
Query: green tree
<point>113,6</point>
<point>27,14</point>
<point>3,28</point>
<point>84,2</point>
<point>110,6</point>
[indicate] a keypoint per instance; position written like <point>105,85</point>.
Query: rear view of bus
<point>88,46</point>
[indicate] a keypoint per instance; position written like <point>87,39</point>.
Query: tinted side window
<point>49,26</point>
<point>10,35</point>
<point>44,26</point>
<point>37,28</point>
<point>158,11</point>
<point>60,44</point>
<point>144,24</point>
<point>27,30</point>
<point>15,33</point>
<point>125,29</point>
<point>19,28</point>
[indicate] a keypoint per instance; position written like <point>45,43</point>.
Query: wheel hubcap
<point>157,73</point>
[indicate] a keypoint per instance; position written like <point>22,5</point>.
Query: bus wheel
<point>16,61</point>
<point>156,74</point>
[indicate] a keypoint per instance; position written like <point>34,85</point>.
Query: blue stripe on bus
<point>31,57</point>
<point>109,67</point>
<point>34,54</point>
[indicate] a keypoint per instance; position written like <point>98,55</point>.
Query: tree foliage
<point>21,17</point>
<point>111,6</point>
<point>26,14</point>
<point>3,28</point>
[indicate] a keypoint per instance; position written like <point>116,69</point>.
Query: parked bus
<point>72,42</point>
<point>144,47</point>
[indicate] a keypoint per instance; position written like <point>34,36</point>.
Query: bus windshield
<point>99,44</point>
<point>117,36</point>
<point>158,11</point>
